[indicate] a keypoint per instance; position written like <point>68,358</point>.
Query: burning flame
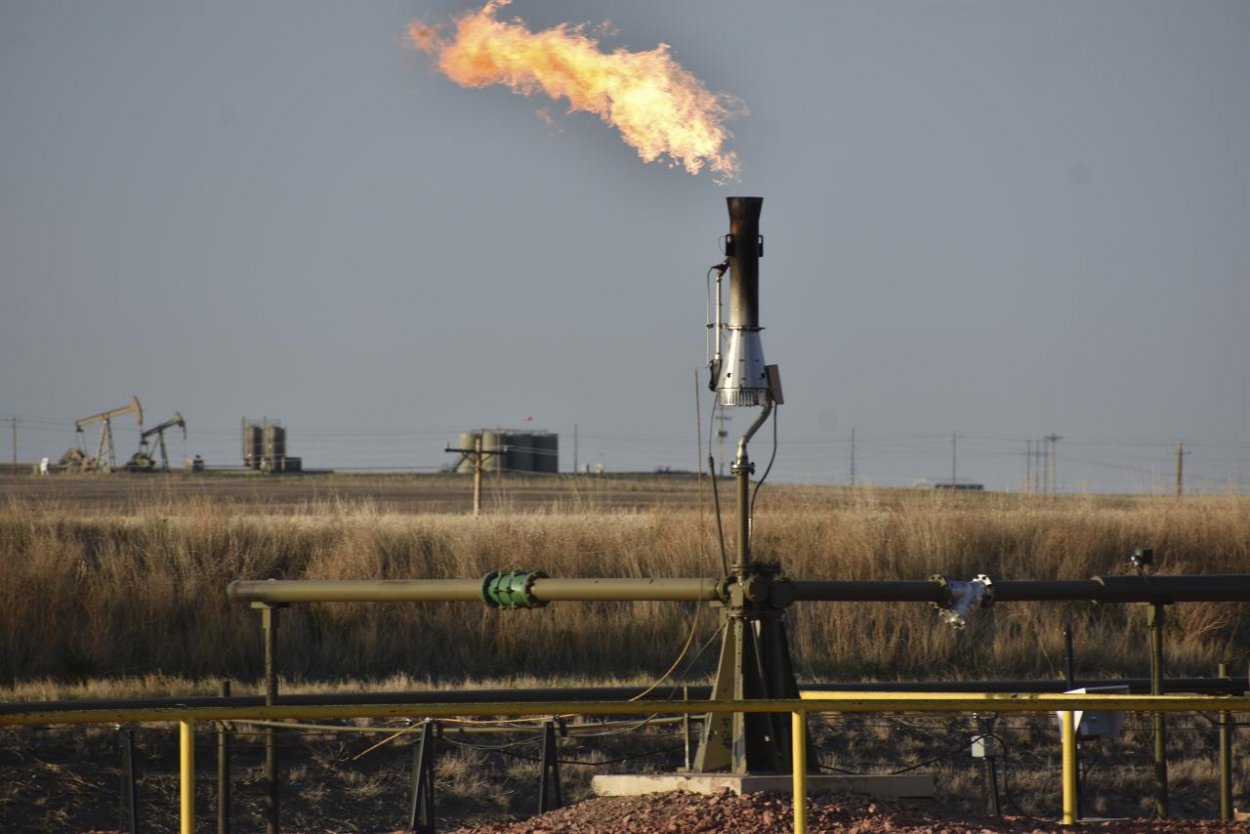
<point>659,107</point>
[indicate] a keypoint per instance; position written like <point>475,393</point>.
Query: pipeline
<point>1161,590</point>
<point>1137,686</point>
<point>509,589</point>
<point>533,589</point>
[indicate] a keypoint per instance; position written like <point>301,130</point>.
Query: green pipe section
<point>628,590</point>
<point>501,589</point>
<point>355,590</point>
<point>511,589</point>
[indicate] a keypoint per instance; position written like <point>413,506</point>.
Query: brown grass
<point>90,594</point>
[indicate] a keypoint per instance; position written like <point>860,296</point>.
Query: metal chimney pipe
<point>745,248</point>
<point>743,375</point>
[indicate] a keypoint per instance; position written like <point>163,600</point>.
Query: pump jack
<point>142,460</point>
<point>105,460</point>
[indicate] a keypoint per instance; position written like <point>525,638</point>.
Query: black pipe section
<point>1160,590</point>
<point>743,249</point>
<point>883,591</point>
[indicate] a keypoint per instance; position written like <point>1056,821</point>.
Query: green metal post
<point>269,625</point>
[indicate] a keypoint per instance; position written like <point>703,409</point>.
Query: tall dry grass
<point>109,595</point>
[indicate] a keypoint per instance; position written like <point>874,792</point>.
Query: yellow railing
<point>810,702</point>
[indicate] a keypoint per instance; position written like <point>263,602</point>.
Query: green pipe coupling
<point>511,589</point>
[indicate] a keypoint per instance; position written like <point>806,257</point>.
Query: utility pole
<point>852,456</point>
<point>13,423</point>
<point>1180,469</point>
<point>575,448</point>
<point>954,472</point>
<point>1028,465</point>
<point>1054,462</point>
<point>477,455</point>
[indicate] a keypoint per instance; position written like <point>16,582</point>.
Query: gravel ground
<point>683,813</point>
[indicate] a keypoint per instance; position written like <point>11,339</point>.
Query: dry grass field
<point>124,577</point>
<point>113,587</point>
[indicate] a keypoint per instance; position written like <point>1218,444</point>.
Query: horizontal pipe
<point>1048,590</point>
<point>1208,686</point>
<point>1169,589</point>
<point>1136,686</point>
<point>870,591</point>
<point>440,696</point>
<point>280,591</point>
<point>1107,589</point>
<point>825,702</point>
<point>543,589</point>
<point>637,590</point>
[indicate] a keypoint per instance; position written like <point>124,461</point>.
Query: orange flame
<point>659,107</point>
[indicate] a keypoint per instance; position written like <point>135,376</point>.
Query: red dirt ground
<point>683,813</point>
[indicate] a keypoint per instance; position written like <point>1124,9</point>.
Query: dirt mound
<point>684,813</point>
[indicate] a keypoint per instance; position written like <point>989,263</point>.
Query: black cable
<point>720,527</point>
<point>949,754</point>
<point>1011,800</point>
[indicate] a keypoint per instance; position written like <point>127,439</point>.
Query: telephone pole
<point>13,423</point>
<point>1180,469</point>
<point>1028,465</point>
<point>852,456</point>
<point>1054,462</point>
<point>477,456</point>
<point>954,471</point>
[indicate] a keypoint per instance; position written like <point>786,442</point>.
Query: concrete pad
<point>905,785</point>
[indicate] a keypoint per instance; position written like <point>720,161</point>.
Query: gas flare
<point>659,107</point>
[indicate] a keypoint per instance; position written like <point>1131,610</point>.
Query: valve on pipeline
<point>511,589</point>
<point>963,597</point>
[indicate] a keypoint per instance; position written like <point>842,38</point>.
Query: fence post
<point>1068,720</point>
<point>128,814</point>
<point>421,814</point>
<point>1155,619</point>
<point>549,782</point>
<point>186,775</point>
<point>1226,757</point>
<point>798,749</point>
<point>223,769</point>
<point>269,626</point>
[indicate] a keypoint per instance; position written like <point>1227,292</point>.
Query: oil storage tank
<point>546,452</point>
<point>506,450</point>
<point>520,452</point>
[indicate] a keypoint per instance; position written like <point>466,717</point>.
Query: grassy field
<point>124,578</point>
<point>115,587</point>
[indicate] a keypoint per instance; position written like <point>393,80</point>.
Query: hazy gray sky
<point>1002,219</point>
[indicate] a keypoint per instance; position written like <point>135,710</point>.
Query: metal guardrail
<point>812,702</point>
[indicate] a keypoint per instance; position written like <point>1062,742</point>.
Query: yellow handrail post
<point>186,775</point>
<point>798,745</point>
<point>1068,719</point>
